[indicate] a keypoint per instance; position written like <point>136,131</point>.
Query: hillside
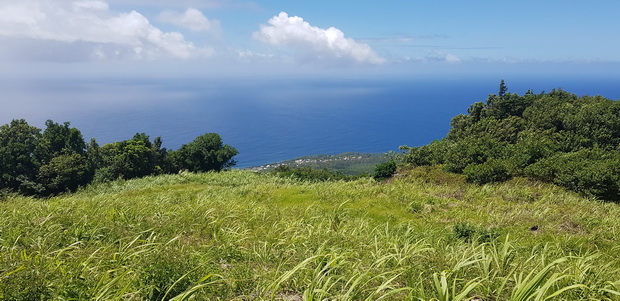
<point>425,234</point>
<point>347,163</point>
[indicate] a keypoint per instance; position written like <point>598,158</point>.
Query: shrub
<point>206,153</point>
<point>473,151</point>
<point>385,170</point>
<point>592,172</point>
<point>464,231</point>
<point>470,232</point>
<point>488,172</point>
<point>426,155</point>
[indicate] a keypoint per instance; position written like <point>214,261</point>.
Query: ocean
<point>272,120</point>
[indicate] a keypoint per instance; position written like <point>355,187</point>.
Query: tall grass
<point>243,236</point>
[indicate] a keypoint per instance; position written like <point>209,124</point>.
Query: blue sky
<point>235,37</point>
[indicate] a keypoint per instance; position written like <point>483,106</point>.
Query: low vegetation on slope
<point>423,235</point>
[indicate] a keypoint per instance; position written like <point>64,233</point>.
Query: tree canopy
<point>58,159</point>
<point>556,137</point>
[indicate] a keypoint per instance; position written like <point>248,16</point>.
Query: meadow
<point>423,235</point>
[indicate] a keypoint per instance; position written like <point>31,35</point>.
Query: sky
<point>59,38</point>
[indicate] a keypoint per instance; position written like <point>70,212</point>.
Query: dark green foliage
<point>62,159</point>
<point>59,160</point>
<point>549,112</point>
<point>488,235</point>
<point>487,172</point>
<point>93,153</point>
<point>598,120</point>
<point>464,231</point>
<point>473,151</point>
<point>306,173</point>
<point>531,147</point>
<point>385,170</point>
<point>205,153</point>
<point>57,139</point>
<point>557,137</point>
<point>18,167</point>
<point>593,172</point>
<point>502,88</point>
<point>430,154</point>
<point>468,232</point>
<point>128,159</point>
<point>64,172</point>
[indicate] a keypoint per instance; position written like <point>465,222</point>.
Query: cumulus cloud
<point>90,26</point>
<point>191,18</point>
<point>314,42</point>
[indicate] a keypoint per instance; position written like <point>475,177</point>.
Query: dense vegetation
<point>59,160</point>
<point>424,235</point>
<point>556,137</point>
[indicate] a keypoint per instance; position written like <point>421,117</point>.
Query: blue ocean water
<point>275,120</point>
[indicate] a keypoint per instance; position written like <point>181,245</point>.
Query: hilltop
<point>240,235</point>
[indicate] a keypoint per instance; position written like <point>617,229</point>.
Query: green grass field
<point>423,235</point>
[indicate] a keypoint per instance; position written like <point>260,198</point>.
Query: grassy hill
<point>425,234</point>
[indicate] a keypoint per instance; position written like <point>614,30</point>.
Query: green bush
<point>464,231</point>
<point>488,172</point>
<point>592,172</point>
<point>385,170</point>
<point>430,154</point>
<point>473,151</point>
<point>206,153</point>
<point>470,232</point>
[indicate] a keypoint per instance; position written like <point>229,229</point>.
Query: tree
<point>385,170</point>
<point>128,159</point>
<point>18,142</point>
<point>65,172</point>
<point>502,89</point>
<point>59,138</point>
<point>93,152</point>
<point>205,153</point>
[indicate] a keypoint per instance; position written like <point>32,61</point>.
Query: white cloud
<point>90,26</point>
<point>315,43</point>
<point>451,58</point>
<point>191,18</point>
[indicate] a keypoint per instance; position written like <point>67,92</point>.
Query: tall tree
<point>137,157</point>
<point>58,138</point>
<point>502,89</point>
<point>18,142</point>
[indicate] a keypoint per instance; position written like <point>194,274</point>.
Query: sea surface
<point>272,120</point>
